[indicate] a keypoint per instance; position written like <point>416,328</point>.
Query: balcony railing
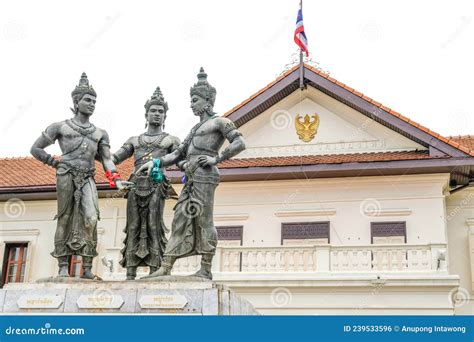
<point>323,258</point>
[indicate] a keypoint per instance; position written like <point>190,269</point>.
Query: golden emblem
<point>307,129</point>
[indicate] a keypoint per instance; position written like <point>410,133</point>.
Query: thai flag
<point>300,36</point>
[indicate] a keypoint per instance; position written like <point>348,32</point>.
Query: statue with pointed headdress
<point>78,212</point>
<point>193,231</point>
<point>145,238</point>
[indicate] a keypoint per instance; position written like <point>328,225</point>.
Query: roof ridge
<point>466,136</point>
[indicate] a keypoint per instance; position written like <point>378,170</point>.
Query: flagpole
<point>301,60</point>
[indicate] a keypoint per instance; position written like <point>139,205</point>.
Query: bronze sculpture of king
<point>145,238</point>
<point>193,231</point>
<point>81,144</point>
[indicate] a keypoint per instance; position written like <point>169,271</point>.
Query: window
<point>75,266</point>
<point>230,235</point>
<point>305,233</point>
<point>388,232</point>
<point>14,263</point>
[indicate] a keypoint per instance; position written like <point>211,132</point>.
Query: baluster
<point>268,258</point>
<point>305,261</point>
<point>414,260</point>
<point>345,260</point>
<point>375,259</point>
<point>278,261</point>
<point>225,261</point>
<point>426,259</point>
<point>365,260</point>
<point>245,261</point>
<point>272,266</point>
<point>334,261</point>
<point>314,260</point>
<point>301,261</point>
<point>236,267</point>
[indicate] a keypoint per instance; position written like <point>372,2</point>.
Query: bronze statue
<point>193,231</point>
<point>78,212</point>
<point>145,230</point>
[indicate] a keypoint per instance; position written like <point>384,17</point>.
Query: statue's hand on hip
<point>206,161</point>
<point>145,168</point>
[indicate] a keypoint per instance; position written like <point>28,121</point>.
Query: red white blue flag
<point>300,36</point>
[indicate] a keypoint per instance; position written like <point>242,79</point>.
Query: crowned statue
<point>145,238</point>
<point>78,211</point>
<point>193,231</point>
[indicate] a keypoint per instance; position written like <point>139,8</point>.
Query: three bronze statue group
<point>146,244</point>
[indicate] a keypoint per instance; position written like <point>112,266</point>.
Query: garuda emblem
<point>307,129</point>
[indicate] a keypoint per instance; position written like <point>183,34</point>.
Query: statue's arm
<point>175,143</point>
<point>104,153</point>
<point>124,152</point>
<point>47,138</point>
<point>107,162</point>
<point>236,142</point>
<point>171,158</point>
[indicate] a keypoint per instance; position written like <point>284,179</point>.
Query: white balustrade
<point>381,258</point>
<point>327,258</point>
<point>268,259</point>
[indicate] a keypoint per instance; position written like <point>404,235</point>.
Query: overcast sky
<point>415,57</point>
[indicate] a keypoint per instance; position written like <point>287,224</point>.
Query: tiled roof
<point>27,172</point>
<point>464,140</point>
<point>324,159</point>
<point>450,140</point>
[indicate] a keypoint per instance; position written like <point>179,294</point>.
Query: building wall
<point>460,221</point>
<point>350,204</point>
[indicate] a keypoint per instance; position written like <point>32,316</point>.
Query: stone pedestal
<point>169,295</point>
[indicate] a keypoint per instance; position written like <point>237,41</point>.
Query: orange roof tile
<point>466,141</point>
<point>27,172</point>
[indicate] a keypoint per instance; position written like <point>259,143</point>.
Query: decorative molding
<point>320,148</point>
<point>388,212</point>
<point>231,217</point>
<point>305,212</point>
<point>19,232</point>
<point>470,224</point>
